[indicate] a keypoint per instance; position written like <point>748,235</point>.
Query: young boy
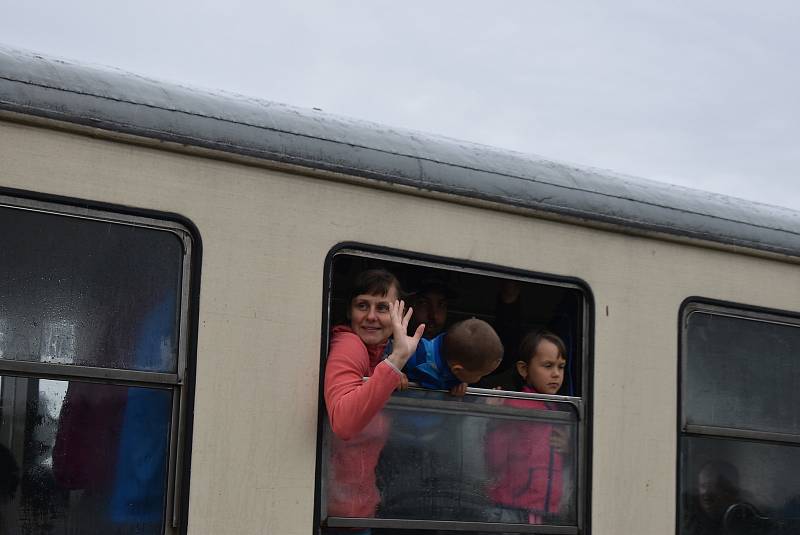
<point>464,354</point>
<point>424,452</point>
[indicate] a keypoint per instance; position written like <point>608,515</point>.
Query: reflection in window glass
<point>740,447</point>
<point>58,342</point>
<point>428,456</point>
<point>742,374</point>
<point>734,486</point>
<point>83,458</point>
<point>78,290</point>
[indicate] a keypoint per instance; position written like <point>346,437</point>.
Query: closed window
<point>740,429</point>
<point>92,366</point>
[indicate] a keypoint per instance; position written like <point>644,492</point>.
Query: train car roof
<point>113,100</point>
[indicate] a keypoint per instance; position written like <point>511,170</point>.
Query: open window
<point>93,352</point>
<point>739,439</point>
<point>486,462</point>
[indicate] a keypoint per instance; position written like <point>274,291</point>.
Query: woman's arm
<point>351,402</point>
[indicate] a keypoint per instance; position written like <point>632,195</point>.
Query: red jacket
<point>359,429</point>
<point>527,470</point>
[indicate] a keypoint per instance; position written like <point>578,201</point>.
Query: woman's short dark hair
<point>530,343</point>
<point>374,282</point>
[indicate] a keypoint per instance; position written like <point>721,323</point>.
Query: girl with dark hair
<point>526,458</point>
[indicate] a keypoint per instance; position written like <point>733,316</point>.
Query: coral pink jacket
<point>359,429</point>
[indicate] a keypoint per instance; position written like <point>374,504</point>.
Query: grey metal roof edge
<point>112,100</point>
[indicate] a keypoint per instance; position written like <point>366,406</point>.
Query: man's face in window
<point>431,309</point>
<point>716,492</point>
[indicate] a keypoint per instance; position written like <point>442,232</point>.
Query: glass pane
<point>742,373</point>
<point>430,456</point>
<point>739,487</point>
<point>78,291</point>
<point>83,458</point>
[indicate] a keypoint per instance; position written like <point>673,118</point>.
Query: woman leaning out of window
<point>357,350</point>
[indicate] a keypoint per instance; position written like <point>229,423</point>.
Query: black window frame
<point>696,304</point>
<point>181,383</point>
<point>584,408</point>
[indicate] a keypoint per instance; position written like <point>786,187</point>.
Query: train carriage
<point>173,261</point>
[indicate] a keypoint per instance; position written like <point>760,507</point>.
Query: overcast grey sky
<point>703,94</point>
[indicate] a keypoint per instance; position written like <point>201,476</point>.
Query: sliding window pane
<point>742,373</point>
<point>83,457</point>
<point>737,486</point>
<point>429,456</point>
<point>87,292</point>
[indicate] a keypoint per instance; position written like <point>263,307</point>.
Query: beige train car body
<point>265,236</point>
<point>266,230</point>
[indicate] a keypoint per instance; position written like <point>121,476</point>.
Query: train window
<point>92,369</point>
<point>740,436</point>
<point>503,457</point>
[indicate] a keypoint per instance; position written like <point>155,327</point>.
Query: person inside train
<point>431,303</point>
<point>360,349</point>
<point>717,489</point>
<point>420,468</point>
<point>463,355</point>
<point>512,325</point>
<point>434,295</point>
<point>526,458</point>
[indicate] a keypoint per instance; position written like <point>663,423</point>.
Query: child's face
<point>545,369</point>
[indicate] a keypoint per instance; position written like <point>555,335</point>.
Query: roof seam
<point>419,158</point>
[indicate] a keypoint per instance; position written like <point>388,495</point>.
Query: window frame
<point>727,309</point>
<point>583,404</point>
<point>180,383</point>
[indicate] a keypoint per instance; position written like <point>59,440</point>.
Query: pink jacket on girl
<point>526,468</point>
